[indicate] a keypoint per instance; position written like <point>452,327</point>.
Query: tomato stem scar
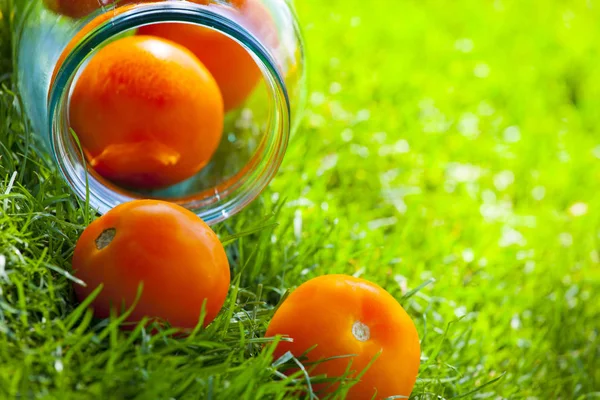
<point>105,238</point>
<point>361,331</point>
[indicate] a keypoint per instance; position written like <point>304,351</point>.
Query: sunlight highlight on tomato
<point>179,259</point>
<point>343,315</point>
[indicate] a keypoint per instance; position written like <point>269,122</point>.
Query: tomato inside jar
<point>186,101</point>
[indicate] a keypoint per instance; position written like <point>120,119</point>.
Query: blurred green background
<point>459,141</point>
<point>448,143</point>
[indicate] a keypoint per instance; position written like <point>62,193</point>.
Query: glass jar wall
<point>58,38</point>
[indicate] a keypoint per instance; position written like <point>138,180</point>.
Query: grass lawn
<point>452,144</point>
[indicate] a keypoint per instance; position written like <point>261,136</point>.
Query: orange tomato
<point>76,8</point>
<point>81,8</point>
<point>234,69</point>
<point>179,259</point>
<point>232,66</point>
<point>343,315</point>
<point>147,112</point>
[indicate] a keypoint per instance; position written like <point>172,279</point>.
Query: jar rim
<point>228,197</point>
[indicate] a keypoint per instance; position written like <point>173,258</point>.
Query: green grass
<point>454,143</point>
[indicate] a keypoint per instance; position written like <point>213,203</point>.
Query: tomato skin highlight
<point>331,312</point>
<point>179,259</point>
<point>147,111</point>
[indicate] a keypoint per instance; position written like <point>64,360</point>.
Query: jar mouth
<point>213,204</point>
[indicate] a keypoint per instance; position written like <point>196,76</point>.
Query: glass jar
<point>53,49</point>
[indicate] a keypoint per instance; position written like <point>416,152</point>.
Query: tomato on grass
<point>169,249</point>
<point>342,315</point>
<point>147,112</point>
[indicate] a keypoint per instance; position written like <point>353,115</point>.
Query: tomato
<point>179,259</point>
<point>232,66</point>
<point>234,69</point>
<point>343,315</point>
<point>76,8</point>
<point>147,112</point>
<point>81,8</point>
